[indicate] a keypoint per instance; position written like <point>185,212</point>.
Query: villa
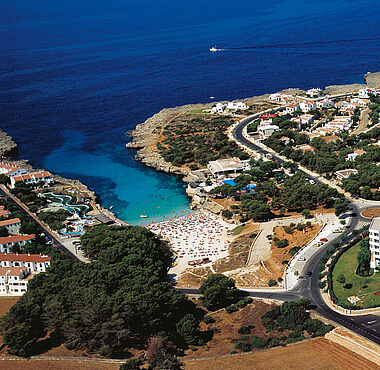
<point>32,178</point>
<point>314,93</point>
<point>7,242</point>
<point>14,280</point>
<point>327,103</point>
<point>236,105</point>
<point>345,174</point>
<point>365,93</point>
<point>356,153</point>
<point>227,166</point>
<point>11,170</point>
<point>32,262</point>
<point>307,106</point>
<point>12,225</point>
<point>292,108</point>
<point>339,123</point>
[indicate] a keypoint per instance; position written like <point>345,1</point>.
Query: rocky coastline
<point>8,148</point>
<point>146,134</point>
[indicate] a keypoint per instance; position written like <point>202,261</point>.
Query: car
<point>309,273</point>
<point>323,240</point>
<point>312,182</point>
<point>301,259</point>
<point>316,245</point>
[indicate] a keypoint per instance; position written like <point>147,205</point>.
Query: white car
<point>301,259</point>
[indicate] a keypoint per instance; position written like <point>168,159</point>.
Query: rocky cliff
<point>8,147</point>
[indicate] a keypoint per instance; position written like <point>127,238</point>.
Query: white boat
<point>213,48</point>
<point>143,216</point>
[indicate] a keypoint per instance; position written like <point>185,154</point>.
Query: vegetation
<point>218,291</point>
<point>54,218</point>
<point>346,282</point>
<point>197,141</point>
<point>106,306</point>
<point>291,316</point>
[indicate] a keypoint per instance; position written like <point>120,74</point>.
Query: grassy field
<point>362,287</point>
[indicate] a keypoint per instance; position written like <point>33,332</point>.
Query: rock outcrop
<point>8,147</point>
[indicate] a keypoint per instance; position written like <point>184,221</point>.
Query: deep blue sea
<point>76,75</point>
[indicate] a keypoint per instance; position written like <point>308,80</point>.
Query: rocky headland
<point>147,134</point>
<point>8,148</point>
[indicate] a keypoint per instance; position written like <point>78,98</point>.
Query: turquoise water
<point>76,75</point>
<point>130,190</point>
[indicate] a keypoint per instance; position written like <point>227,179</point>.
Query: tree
<point>188,327</point>
<point>305,213</point>
<point>3,231</point>
<point>364,259</point>
<point>341,206</point>
<point>322,284</point>
<point>218,291</point>
<point>272,282</point>
<point>341,279</point>
<point>131,364</point>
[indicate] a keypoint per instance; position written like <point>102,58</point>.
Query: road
<point>367,326</point>
<point>56,241</point>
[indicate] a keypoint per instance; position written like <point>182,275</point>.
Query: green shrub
<point>232,308</point>
<point>258,342</point>
<point>272,282</point>
<point>243,346</point>
<point>208,319</point>
<point>244,330</point>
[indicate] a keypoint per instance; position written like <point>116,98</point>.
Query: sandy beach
<point>195,238</point>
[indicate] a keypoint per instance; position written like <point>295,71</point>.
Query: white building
<point>356,153</point>
<point>307,106</point>
<point>32,262</point>
<point>14,280</point>
<point>339,123</point>
<point>313,93</point>
<point>345,174</point>
<point>11,170</point>
<point>266,128</point>
<point>218,108</point>
<point>365,93</point>
<point>7,242</point>
<point>227,166</point>
<point>236,105</point>
<point>292,108</point>
<point>374,242</point>
<point>281,98</point>
<point>12,225</point>
<point>303,119</point>
<point>32,178</point>
<point>362,102</point>
<point>327,103</point>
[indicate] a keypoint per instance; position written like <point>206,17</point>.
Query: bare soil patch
<point>56,364</point>
<point>316,354</point>
<point>278,255</point>
<point>371,213</point>
<point>228,325</point>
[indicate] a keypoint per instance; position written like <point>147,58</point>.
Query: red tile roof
<point>23,257</point>
<point>16,238</point>
<point>16,271</point>
<point>10,222</point>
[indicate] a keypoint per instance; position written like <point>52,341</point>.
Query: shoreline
<point>144,136</point>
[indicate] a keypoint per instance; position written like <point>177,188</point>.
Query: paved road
<point>367,325</point>
<point>4,191</point>
<point>363,123</point>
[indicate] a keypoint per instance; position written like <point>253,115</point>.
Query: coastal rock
<point>8,147</point>
<point>343,89</point>
<point>372,79</point>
